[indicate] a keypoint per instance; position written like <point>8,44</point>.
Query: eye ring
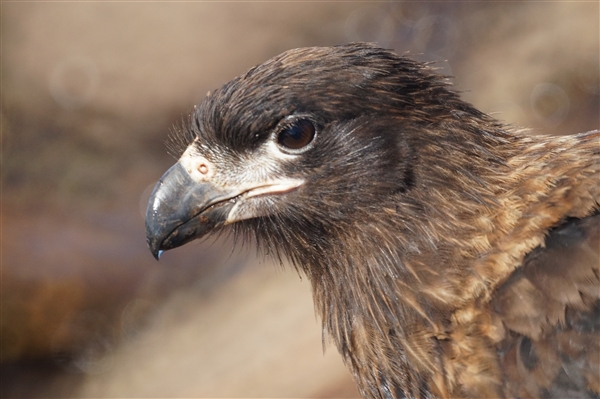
<point>295,134</point>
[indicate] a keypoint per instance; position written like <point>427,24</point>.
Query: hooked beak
<point>181,209</point>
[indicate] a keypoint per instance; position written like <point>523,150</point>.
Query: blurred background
<point>90,91</point>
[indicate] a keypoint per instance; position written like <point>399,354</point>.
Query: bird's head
<point>313,142</point>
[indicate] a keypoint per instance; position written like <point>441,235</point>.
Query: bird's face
<point>293,148</point>
<point>303,171</point>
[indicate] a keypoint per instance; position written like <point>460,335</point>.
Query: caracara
<point>450,255</point>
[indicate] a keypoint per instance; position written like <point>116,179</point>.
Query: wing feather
<point>551,307</point>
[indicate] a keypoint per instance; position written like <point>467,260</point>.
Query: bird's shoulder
<point>550,310</point>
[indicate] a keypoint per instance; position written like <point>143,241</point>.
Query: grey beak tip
<point>156,253</point>
<point>180,210</point>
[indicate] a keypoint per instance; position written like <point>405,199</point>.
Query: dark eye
<point>296,135</point>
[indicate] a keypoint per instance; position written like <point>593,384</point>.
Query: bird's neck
<point>395,288</point>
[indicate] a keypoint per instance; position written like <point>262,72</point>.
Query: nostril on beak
<point>203,168</point>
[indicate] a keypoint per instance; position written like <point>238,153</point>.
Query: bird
<point>450,255</point>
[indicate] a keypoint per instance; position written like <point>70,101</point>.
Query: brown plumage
<point>449,255</point>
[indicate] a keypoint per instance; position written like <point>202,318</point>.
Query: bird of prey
<point>450,255</point>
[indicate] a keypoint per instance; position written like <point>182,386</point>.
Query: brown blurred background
<point>89,93</point>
